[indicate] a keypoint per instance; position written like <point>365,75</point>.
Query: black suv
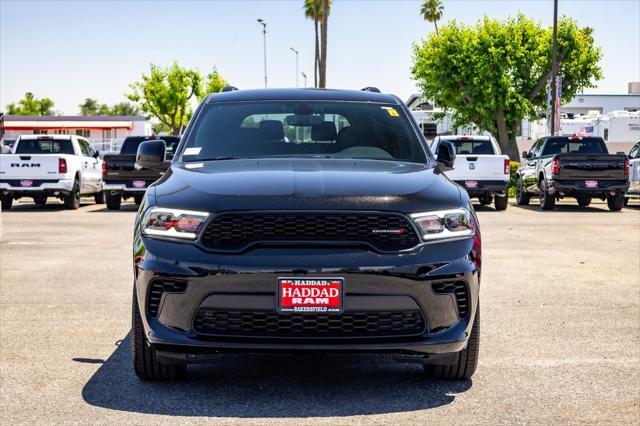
<point>304,219</point>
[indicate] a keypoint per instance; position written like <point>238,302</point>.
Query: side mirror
<point>446,155</point>
<point>525,154</point>
<point>96,155</point>
<point>150,154</point>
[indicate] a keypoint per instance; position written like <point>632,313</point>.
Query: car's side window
<point>538,150</point>
<point>84,147</point>
<point>534,149</point>
<point>633,154</point>
<point>91,152</point>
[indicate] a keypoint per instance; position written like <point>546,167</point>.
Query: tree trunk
<point>436,24</point>
<point>508,144</point>
<point>316,61</point>
<point>323,44</point>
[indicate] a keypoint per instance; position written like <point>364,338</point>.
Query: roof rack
<point>371,89</point>
<point>229,89</point>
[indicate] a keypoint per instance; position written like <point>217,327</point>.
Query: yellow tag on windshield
<point>392,111</point>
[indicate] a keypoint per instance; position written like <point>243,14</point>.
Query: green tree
<point>494,74</point>
<point>166,93</point>
<point>91,106</point>
<point>125,108</point>
<point>432,11</point>
<point>30,105</point>
<point>314,10</point>
<point>213,83</point>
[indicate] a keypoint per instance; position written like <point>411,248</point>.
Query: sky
<point>72,50</point>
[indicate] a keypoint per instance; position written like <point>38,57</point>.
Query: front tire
<point>114,201</point>
<point>145,361</point>
<point>501,203</point>
<point>584,201</point>
<point>485,200</point>
<point>138,199</point>
<point>522,197</point>
<point>99,197</point>
<point>547,201</point>
<point>6,202</point>
<point>72,199</point>
<point>615,202</point>
<point>467,362</point>
<point>40,200</point>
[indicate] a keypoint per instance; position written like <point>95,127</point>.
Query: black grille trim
<point>159,286</point>
<point>383,324</point>
<point>461,292</point>
<point>237,231</point>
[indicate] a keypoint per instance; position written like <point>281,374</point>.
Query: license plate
<point>470,184</point>
<point>590,183</point>
<point>139,184</point>
<point>310,294</point>
<point>26,183</point>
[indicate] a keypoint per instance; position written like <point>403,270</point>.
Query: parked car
<point>122,180</point>
<point>43,166</point>
<point>634,172</point>
<point>304,220</point>
<point>480,168</point>
<point>572,166</point>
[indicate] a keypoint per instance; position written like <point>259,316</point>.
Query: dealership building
<point>105,132</point>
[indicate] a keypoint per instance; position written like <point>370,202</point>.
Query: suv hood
<point>305,183</point>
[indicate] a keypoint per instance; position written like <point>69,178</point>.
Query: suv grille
<point>272,324</point>
<point>159,286</point>
<point>459,290</point>
<point>237,231</point>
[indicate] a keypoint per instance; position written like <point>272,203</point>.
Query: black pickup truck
<point>122,179</point>
<point>572,166</point>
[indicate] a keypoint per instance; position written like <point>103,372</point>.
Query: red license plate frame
<point>311,295</point>
<point>591,184</point>
<point>139,184</point>
<point>26,183</point>
<point>471,184</point>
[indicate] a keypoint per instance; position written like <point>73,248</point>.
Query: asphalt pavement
<point>560,335</point>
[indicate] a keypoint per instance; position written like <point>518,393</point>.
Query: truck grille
<point>382,231</point>
<point>157,288</point>
<point>272,324</point>
<point>461,292</point>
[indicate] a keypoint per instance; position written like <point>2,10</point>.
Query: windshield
<point>303,129</point>
<point>42,146</point>
<point>472,146</point>
<point>131,144</point>
<point>574,145</point>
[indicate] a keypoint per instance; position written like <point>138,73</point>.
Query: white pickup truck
<point>634,173</point>
<point>42,166</point>
<point>480,168</point>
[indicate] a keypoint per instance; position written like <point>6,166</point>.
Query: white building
<point>583,104</point>
<point>105,132</point>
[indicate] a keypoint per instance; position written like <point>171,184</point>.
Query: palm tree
<point>313,10</point>
<point>432,11</point>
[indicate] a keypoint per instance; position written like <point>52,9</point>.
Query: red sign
<point>590,183</point>
<point>310,294</point>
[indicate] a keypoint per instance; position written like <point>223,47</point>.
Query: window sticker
<point>194,165</point>
<point>192,151</point>
<point>391,111</point>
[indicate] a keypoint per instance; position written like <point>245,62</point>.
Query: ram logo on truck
<point>25,164</point>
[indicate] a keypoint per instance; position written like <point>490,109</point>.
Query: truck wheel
<point>547,201</point>
<point>114,201</point>
<point>6,202</point>
<point>467,358</point>
<point>522,197</point>
<point>626,201</point>
<point>615,202</point>
<point>72,199</point>
<point>137,199</point>
<point>41,200</point>
<point>99,197</point>
<point>501,203</point>
<point>145,361</point>
<point>584,200</point>
<point>485,200</point>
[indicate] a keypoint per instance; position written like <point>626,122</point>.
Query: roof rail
<point>229,89</point>
<point>371,89</point>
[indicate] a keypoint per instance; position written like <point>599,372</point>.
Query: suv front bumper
<point>248,283</point>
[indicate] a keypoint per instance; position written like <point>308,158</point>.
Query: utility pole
<point>554,68</point>
<point>264,37</point>
<point>296,52</point>
<point>305,79</point>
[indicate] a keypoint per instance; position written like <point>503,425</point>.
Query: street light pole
<point>554,68</point>
<point>296,52</point>
<point>305,79</point>
<point>264,37</point>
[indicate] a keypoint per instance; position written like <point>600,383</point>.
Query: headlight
<point>456,223</point>
<point>172,223</point>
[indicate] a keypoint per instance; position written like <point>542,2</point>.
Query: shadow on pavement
<point>124,208</point>
<point>51,206</point>
<point>567,208</point>
<point>272,386</point>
